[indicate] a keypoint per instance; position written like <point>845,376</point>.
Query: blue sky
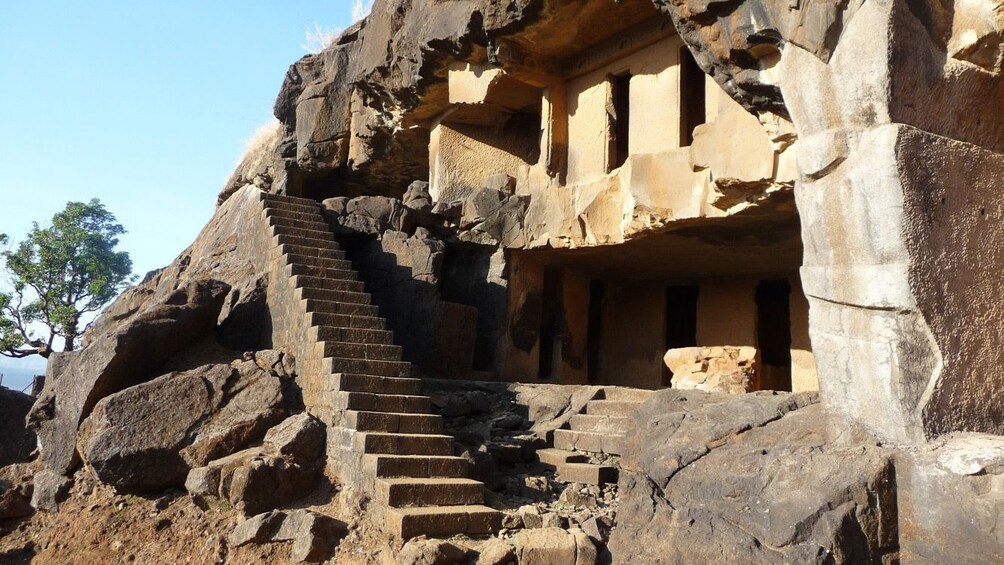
<point>145,105</point>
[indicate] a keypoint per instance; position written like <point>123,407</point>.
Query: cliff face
<point>352,108</point>
<point>895,111</point>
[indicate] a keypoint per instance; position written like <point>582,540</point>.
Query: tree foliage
<point>58,275</point>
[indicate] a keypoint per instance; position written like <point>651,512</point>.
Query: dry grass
<point>320,38</point>
<point>258,146</point>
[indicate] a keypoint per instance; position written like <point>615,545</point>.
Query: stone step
<point>366,367</point>
<point>312,224</point>
<point>349,350</point>
<point>302,250</point>
<point>369,402</point>
<point>333,296</point>
<point>345,321</point>
<point>314,215</point>
<point>442,521</point>
<point>429,491</point>
<point>554,458</point>
<point>610,407</point>
<point>306,233</point>
<point>304,281</point>
<point>383,385</point>
<point>403,444</point>
<point>323,272</point>
<point>303,241</point>
<point>304,206</point>
<point>351,335</point>
<point>393,422</point>
<point>386,466</point>
<point>601,424</point>
<point>314,261</point>
<point>626,394</point>
<point>587,473</point>
<point>269,197</point>
<point>592,442</point>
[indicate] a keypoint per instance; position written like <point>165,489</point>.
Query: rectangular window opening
<point>692,97</point>
<point>620,145</point>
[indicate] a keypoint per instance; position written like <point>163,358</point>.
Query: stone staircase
<point>598,430</point>
<point>382,435</point>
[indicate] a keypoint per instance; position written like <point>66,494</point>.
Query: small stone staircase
<point>382,435</point>
<point>599,429</point>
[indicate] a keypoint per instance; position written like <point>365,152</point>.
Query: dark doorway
<point>681,320</point>
<point>620,145</point>
<point>552,322</point>
<point>774,333</point>
<point>692,92</point>
<point>594,330</point>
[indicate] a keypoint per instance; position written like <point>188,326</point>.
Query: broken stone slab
<point>314,536</point>
<point>50,489</point>
<point>265,483</point>
<point>731,370</point>
<point>497,552</point>
<point>286,467</point>
<point>257,529</point>
<point>554,546</point>
<point>208,480</point>
<point>301,438</point>
<point>431,552</point>
<point>598,528</point>
<point>275,362</point>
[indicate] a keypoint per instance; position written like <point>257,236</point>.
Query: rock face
<point>761,478</point>
<point>732,370</point>
<point>873,89</point>
<point>143,440</point>
<point>18,441</point>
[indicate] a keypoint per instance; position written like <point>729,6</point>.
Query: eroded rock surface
<point>761,478</point>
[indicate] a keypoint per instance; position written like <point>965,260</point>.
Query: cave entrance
<point>607,314</point>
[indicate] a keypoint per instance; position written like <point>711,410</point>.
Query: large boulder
<point>19,441</point>
<point>758,478</point>
<point>147,437</point>
<point>128,355</point>
<point>285,467</point>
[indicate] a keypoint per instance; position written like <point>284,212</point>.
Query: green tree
<point>58,275</point>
